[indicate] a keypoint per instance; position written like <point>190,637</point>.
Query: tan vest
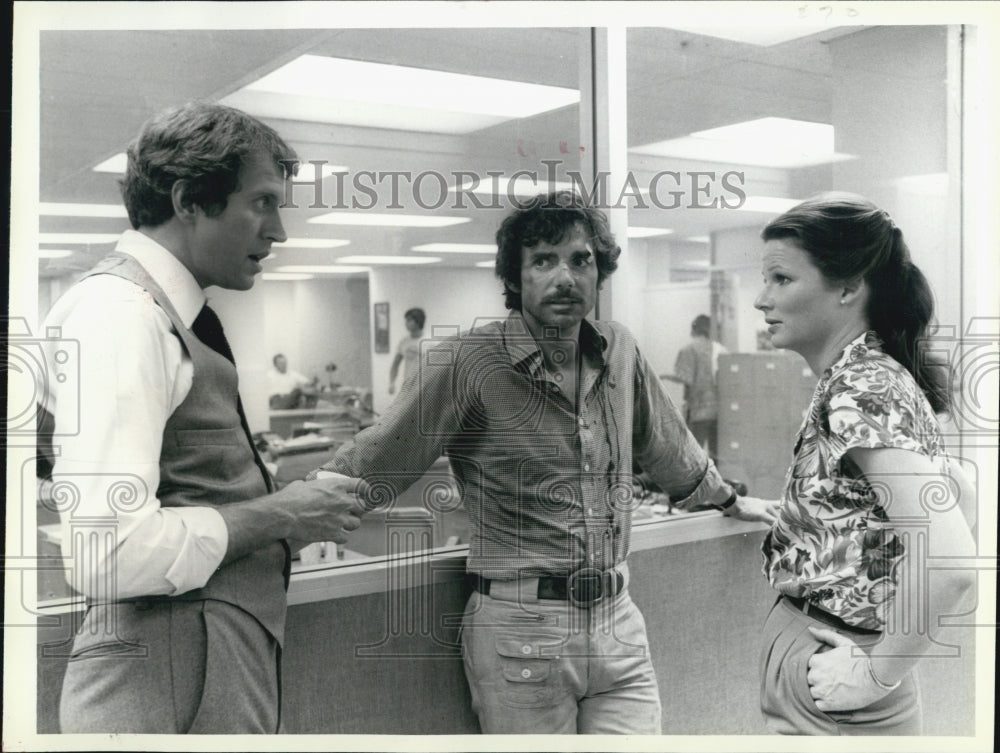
<point>208,461</point>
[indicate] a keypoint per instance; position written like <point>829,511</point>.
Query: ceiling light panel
<point>319,269</point>
<point>457,248</point>
<point>285,276</point>
<point>307,172</point>
<point>55,209</point>
<point>88,239</point>
<point>522,187</point>
<point>766,142</point>
<point>114,164</point>
<point>768,204</point>
<point>647,232</point>
<point>389,259</point>
<point>311,243</point>
<point>372,219</point>
<point>376,95</point>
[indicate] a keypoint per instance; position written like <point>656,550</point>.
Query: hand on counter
<point>754,509</point>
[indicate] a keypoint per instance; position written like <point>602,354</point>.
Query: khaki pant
<point>787,704</point>
<point>546,666</point>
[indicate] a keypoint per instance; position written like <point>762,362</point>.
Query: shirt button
<point>526,649</point>
<point>590,511</point>
<point>586,466</point>
<point>525,673</point>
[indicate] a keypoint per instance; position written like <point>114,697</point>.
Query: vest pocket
<point>208,437</point>
<point>209,458</point>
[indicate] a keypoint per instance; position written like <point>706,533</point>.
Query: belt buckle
<point>585,586</point>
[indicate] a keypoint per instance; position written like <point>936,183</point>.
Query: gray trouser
<point>786,702</point>
<point>171,667</point>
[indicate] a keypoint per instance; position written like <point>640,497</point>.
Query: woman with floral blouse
<point>840,290</point>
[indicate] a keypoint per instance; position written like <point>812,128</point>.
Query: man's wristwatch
<point>728,503</point>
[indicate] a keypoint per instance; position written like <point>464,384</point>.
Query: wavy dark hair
<point>547,218</point>
<point>849,238</point>
<point>203,143</point>
<point>417,315</point>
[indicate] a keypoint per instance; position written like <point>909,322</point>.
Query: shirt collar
<point>167,271</point>
<point>856,350</point>
<point>524,352</point>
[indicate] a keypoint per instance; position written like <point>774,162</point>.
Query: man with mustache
<point>541,415</point>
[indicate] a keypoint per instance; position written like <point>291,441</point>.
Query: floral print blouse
<point>832,542</point>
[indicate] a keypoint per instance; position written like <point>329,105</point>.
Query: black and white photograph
<point>599,376</point>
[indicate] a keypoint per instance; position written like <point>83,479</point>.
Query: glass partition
<point>414,145</point>
<point>727,129</point>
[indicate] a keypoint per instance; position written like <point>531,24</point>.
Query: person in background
<point>408,350</point>
<point>697,367</point>
<point>540,415</point>
<point>286,388</point>
<point>190,560</point>
<point>840,290</point>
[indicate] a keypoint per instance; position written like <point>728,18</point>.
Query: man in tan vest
<point>185,576</point>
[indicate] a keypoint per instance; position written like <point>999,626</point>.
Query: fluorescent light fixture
<point>932,184</point>
<point>311,243</point>
<point>698,239</point>
<point>316,88</point>
<point>321,269</point>
<point>389,259</point>
<point>523,187</point>
<point>457,248</point>
<point>54,253</point>
<point>647,232</point>
<point>89,239</point>
<point>113,164</point>
<point>486,264</point>
<point>285,276</point>
<point>766,142</point>
<point>81,210</point>
<point>768,204</point>
<point>371,219</point>
<point>307,172</point>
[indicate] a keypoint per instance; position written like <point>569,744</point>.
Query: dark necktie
<point>208,329</point>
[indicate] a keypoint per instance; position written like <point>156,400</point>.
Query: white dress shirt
<point>133,374</point>
<point>281,383</point>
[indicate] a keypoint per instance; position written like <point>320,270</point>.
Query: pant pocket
<point>799,679</point>
<point>529,670</point>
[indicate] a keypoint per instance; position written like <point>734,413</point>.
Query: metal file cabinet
<point>763,397</point>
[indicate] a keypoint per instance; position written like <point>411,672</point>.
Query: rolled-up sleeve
<point>413,433</point>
